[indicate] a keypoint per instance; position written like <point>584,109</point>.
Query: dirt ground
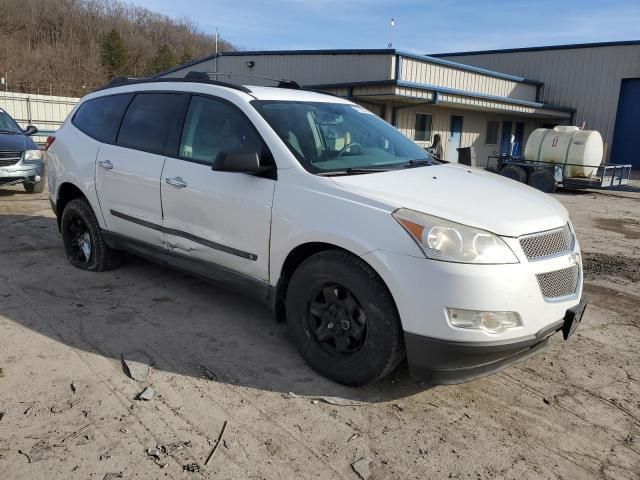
<point>69,411</point>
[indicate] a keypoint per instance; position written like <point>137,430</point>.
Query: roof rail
<point>119,81</point>
<point>281,82</point>
<point>198,77</point>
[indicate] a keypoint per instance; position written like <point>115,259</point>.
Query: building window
<point>492,133</point>
<point>423,127</point>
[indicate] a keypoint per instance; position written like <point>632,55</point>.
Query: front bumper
<point>21,172</point>
<point>423,289</point>
<point>440,353</point>
<point>442,362</point>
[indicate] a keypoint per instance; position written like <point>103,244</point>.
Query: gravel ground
<point>69,411</point>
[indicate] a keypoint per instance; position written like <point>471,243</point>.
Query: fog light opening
<point>490,322</point>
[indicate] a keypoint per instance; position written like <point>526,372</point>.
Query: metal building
<point>420,95</point>
<point>600,80</point>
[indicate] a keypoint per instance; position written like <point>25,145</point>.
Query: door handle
<point>177,182</point>
<point>106,164</point>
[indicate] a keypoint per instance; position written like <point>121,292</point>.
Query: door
<point>128,173</point>
<point>624,148</point>
<point>505,138</point>
<point>455,137</point>
<point>519,139</point>
<point>218,217</point>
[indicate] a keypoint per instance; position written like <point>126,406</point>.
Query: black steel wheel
<point>337,320</point>
<point>83,241</point>
<point>342,318</point>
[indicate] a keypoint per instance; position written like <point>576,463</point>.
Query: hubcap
<point>337,321</point>
<point>80,240</point>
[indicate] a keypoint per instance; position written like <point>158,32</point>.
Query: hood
<point>17,142</point>
<point>465,195</point>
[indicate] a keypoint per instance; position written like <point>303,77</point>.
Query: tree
<point>70,47</point>
<point>186,56</point>
<point>113,53</point>
<point>164,60</point>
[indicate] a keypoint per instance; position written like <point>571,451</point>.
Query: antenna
<point>392,24</point>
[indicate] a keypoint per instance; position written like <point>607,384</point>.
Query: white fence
<point>46,112</point>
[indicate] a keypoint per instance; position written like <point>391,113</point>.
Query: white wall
<point>424,72</point>
<point>474,127</point>
<point>44,111</point>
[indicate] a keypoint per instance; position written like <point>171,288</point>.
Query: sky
<point>426,26</point>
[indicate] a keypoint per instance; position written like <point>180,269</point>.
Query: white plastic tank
<point>582,149</point>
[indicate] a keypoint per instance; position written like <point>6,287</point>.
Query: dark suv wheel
<point>34,187</point>
<point>83,242</point>
<point>343,319</point>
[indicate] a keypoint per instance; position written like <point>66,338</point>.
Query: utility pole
<point>215,60</point>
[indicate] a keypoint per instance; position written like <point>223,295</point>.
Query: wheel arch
<point>67,192</point>
<point>294,259</point>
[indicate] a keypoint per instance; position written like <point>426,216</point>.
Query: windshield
<point>335,137</point>
<point>8,124</point>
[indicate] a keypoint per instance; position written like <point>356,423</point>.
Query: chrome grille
<point>547,244</point>
<point>559,283</point>
<point>9,157</point>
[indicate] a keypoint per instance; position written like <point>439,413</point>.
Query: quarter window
<point>100,118</point>
<point>149,121</point>
<point>491,137</point>
<point>213,127</point>
<point>423,127</point>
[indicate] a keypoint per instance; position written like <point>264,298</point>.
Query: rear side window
<point>150,120</point>
<point>100,118</point>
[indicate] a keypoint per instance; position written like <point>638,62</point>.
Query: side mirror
<point>31,130</point>
<point>248,162</point>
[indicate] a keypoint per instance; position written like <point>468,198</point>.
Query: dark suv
<point>20,159</point>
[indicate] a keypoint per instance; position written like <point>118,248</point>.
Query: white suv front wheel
<point>343,319</point>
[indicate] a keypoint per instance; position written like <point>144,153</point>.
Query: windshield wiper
<point>353,171</point>
<point>420,162</point>
<point>4,130</point>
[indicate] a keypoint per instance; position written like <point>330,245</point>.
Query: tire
<point>80,227</point>
<point>514,172</point>
<point>365,314</point>
<point>543,180</point>
<point>34,187</point>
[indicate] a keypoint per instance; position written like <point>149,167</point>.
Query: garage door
<point>626,137</point>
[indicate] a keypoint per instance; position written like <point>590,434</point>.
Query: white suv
<point>369,249</point>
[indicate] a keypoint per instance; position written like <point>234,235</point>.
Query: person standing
<point>436,147</point>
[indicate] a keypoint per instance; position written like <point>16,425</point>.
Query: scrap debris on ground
<point>78,348</point>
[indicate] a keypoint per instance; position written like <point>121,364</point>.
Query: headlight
<point>32,156</point>
<point>448,241</point>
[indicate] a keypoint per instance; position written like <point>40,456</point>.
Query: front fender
<point>304,214</point>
